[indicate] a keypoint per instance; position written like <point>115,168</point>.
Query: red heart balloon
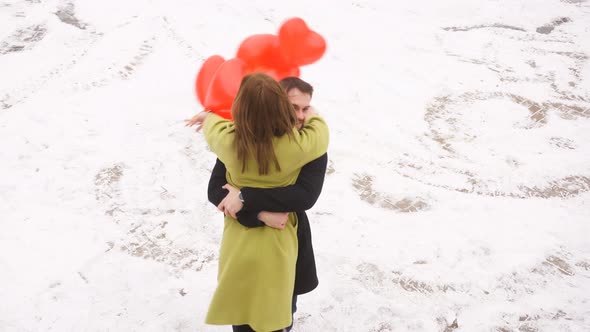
<point>226,114</point>
<point>224,86</point>
<point>205,75</point>
<point>262,50</point>
<point>299,44</point>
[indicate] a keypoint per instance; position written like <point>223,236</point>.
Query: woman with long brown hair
<point>261,148</point>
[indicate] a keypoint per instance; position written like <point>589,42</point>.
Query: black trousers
<point>247,328</point>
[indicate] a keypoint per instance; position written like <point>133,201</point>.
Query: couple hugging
<point>271,165</point>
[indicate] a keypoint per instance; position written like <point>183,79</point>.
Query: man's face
<point>301,105</point>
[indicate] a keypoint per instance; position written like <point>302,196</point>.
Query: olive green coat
<point>257,265</point>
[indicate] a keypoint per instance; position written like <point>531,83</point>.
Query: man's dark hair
<point>289,83</point>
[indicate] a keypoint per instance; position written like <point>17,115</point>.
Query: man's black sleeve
<point>216,194</point>
<point>294,198</point>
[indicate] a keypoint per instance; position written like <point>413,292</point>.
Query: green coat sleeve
<point>219,134</point>
<point>313,139</point>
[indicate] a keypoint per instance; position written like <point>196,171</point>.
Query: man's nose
<point>300,115</point>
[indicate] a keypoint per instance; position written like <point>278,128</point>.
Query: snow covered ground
<point>458,190</point>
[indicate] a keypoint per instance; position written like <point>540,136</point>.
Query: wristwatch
<point>241,197</point>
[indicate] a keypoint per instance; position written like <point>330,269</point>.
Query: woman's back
<point>292,153</point>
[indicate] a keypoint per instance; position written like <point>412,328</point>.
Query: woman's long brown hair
<point>261,111</point>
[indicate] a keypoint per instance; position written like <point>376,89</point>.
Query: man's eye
<point>305,109</point>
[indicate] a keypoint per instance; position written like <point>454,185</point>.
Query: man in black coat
<point>257,207</point>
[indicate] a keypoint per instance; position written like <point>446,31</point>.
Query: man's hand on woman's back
<point>276,220</point>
